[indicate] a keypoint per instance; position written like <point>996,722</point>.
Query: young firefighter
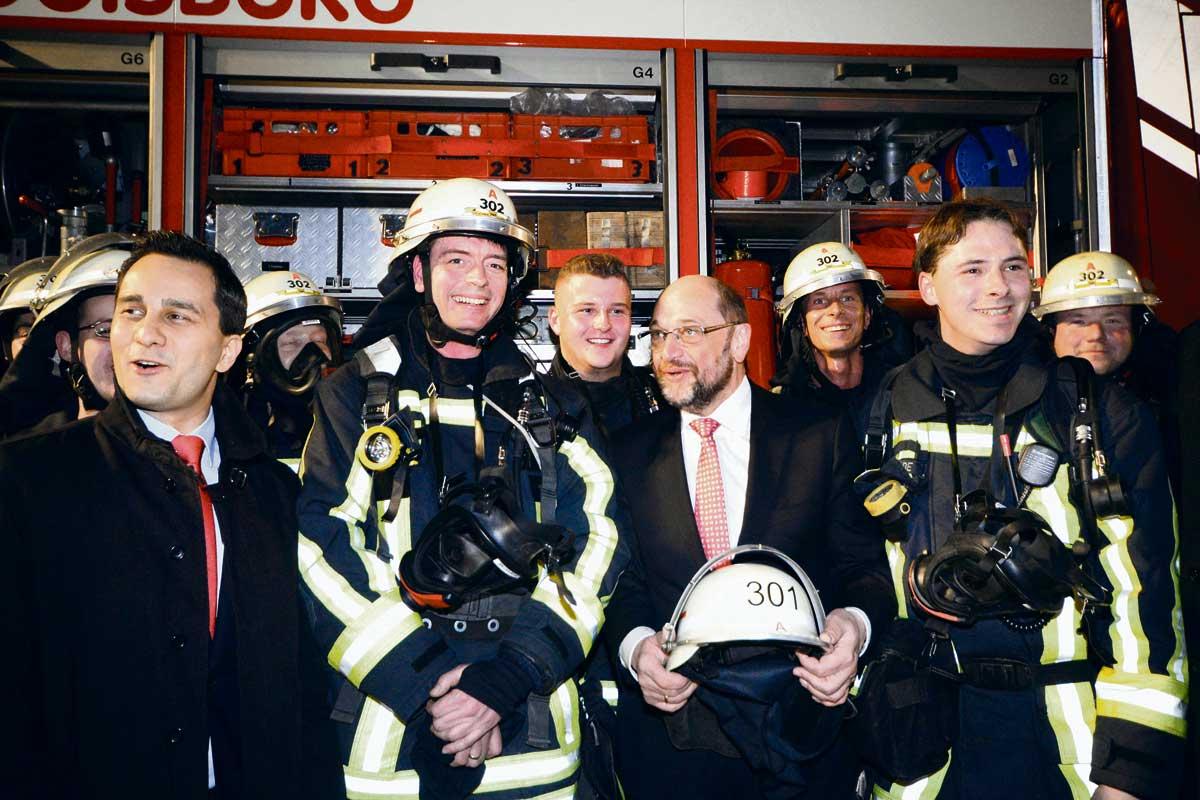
<point>1057,697</point>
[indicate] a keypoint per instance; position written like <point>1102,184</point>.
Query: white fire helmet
<point>748,602</point>
<point>820,266</point>
<point>274,293</point>
<point>92,263</point>
<point>1087,280</point>
<point>17,288</point>
<point>466,207</point>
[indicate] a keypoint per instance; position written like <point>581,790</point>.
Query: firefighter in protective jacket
<point>1082,696</point>
<point>460,535</point>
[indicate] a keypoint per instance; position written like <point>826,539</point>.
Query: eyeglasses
<point>688,335</point>
<point>102,329</point>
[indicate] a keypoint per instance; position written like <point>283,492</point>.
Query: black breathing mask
<point>479,545</point>
<point>308,367</point>
<point>1000,563</point>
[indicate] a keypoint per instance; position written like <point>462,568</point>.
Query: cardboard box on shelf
<point>653,277</point>
<point>644,228</point>
<point>562,229</point>
<point>606,229</point>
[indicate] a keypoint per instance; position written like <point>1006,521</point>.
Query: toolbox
<point>368,247</point>
<point>258,239</point>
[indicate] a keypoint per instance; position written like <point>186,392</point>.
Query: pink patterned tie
<point>711,521</point>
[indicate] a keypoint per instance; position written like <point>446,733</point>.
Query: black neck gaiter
<point>978,379</point>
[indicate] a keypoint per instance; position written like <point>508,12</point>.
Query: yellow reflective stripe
<point>541,767</point>
<point>564,705</point>
<point>353,512</point>
<point>1079,779</point>
<point>332,590</point>
<point>934,437</point>
<point>1178,664</point>
<point>370,637</point>
<point>528,769</point>
<point>1157,701</point>
<point>395,786</point>
<point>1052,503</point>
<point>1061,640</point>
<point>1071,712</point>
<point>1130,648</point>
<point>598,486</point>
<point>291,463</point>
<point>610,692</point>
<point>525,770</point>
<point>896,561</point>
<point>584,617</point>
<point>451,410</point>
<point>585,581</point>
<point>924,789</point>
<point>376,746</point>
<point>565,793</point>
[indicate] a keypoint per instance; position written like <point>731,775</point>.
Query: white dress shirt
<point>732,438</point>
<point>210,466</point>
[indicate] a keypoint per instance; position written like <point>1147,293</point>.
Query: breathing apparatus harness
<point>1003,530</point>
<point>480,525</point>
<point>998,562</point>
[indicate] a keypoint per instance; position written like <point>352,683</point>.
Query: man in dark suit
<point>157,645</point>
<point>768,472</point>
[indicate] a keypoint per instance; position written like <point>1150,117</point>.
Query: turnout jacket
<point>110,666</point>
<point>349,558</point>
<point>1124,729</point>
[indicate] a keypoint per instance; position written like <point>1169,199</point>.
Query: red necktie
<point>189,449</point>
<point>711,521</point>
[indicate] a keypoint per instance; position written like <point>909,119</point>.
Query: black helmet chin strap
<point>82,384</point>
<point>440,333</point>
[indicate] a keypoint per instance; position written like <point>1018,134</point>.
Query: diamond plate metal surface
<point>365,258</point>
<point>315,252</point>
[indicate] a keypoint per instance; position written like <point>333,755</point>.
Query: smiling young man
<point>592,317</point>
<point>166,653</point>
<point>727,464</point>
<point>1100,716</point>
<point>838,337</point>
<point>453,678</point>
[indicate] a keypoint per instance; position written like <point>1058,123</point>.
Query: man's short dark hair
<point>598,265</point>
<point>229,296</point>
<point>947,227</point>
<point>730,303</point>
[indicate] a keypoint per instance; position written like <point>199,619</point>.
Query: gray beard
<point>703,392</point>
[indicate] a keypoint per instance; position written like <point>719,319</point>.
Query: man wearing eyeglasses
<point>76,302</point>
<point>732,464</point>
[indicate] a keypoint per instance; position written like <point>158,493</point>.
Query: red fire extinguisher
<point>752,280</point>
